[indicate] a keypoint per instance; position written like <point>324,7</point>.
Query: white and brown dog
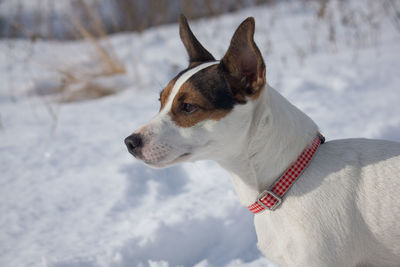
<point>345,208</point>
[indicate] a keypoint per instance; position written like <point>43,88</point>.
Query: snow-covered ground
<point>70,193</point>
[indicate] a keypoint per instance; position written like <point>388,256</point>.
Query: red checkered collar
<point>271,199</point>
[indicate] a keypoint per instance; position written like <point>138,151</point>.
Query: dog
<point>342,207</point>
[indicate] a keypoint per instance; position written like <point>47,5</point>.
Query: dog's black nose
<point>134,143</point>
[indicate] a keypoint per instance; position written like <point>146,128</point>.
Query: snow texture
<point>70,193</point>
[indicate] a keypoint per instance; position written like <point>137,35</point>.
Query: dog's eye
<point>189,108</point>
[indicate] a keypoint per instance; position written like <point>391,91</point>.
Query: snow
<point>70,193</point>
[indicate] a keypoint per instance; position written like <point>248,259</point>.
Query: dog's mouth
<point>161,163</point>
<point>183,155</point>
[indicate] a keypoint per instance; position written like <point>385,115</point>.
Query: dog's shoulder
<point>349,163</point>
<point>359,151</point>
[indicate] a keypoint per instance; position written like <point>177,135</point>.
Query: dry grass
<point>106,55</point>
<point>77,86</point>
<point>78,82</point>
<point>85,91</point>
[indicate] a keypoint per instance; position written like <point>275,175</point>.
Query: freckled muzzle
<point>148,151</point>
<point>155,153</point>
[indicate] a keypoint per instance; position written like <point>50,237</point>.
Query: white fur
<point>344,210</point>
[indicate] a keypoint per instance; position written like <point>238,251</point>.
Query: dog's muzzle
<point>134,143</point>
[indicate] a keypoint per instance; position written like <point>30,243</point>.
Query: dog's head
<point>205,110</point>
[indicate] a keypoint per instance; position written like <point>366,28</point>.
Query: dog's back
<point>377,165</point>
<point>349,197</point>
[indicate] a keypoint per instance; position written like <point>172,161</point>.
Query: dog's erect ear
<point>243,63</point>
<point>197,53</point>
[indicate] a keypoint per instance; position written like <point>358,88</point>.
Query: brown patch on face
<point>166,93</point>
<point>205,109</point>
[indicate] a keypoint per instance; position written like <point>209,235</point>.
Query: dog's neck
<point>277,134</point>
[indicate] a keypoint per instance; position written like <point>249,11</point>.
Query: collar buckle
<point>270,196</point>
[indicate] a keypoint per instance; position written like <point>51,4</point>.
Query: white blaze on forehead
<point>181,80</point>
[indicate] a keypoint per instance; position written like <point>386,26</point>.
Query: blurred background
<point>78,76</point>
<point>56,19</point>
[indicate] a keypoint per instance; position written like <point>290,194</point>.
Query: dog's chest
<point>282,240</point>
